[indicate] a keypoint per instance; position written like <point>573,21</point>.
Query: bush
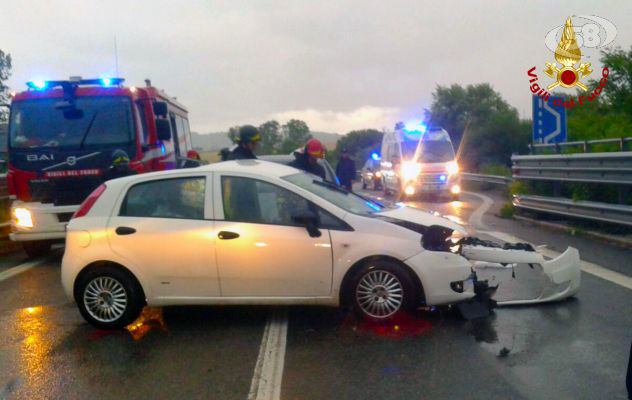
<point>495,169</point>
<point>507,211</point>
<point>519,187</point>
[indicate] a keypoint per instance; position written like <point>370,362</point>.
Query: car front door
<point>161,229</point>
<point>261,251</point>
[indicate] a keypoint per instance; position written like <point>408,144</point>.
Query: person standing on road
<point>119,167</point>
<point>308,159</point>
<point>346,170</point>
<point>247,140</point>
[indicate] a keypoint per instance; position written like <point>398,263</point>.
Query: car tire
<point>381,289</point>
<point>37,248</point>
<point>109,297</point>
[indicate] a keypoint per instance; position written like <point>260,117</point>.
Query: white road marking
<point>476,221</point>
<point>268,375</point>
<point>4,275</point>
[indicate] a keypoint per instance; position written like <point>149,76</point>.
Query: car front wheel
<point>381,290</point>
<point>109,298</point>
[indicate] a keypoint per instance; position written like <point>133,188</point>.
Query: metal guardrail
<point>495,179</point>
<point>613,213</point>
<point>615,167</point>
<point>584,144</point>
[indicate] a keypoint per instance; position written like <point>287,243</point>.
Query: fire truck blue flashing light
<point>375,156</point>
<point>37,85</point>
<point>106,82</point>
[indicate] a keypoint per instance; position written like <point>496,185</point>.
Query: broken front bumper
<point>561,275</point>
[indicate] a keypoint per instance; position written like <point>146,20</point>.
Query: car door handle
<point>226,235</point>
<point>125,230</point>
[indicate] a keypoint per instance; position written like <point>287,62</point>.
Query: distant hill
<point>218,140</point>
<point>210,141</point>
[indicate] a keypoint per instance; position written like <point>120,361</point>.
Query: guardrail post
<point>623,192</point>
<point>621,144</point>
<point>557,148</point>
<point>585,146</point>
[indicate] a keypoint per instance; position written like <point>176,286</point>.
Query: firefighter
<point>308,159</point>
<point>192,160</point>
<point>346,170</point>
<point>247,140</point>
<point>119,167</point>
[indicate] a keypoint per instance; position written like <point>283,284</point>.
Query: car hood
<point>421,217</point>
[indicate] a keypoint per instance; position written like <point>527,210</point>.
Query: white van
<point>419,160</point>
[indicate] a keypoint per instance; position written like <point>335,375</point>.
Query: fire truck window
<point>167,198</point>
<point>143,122</point>
<point>95,121</point>
<point>181,133</point>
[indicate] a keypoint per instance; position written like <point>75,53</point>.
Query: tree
<point>360,145</point>
<point>233,133</point>
<point>618,92</point>
<point>296,134</point>
<point>270,137</point>
<point>482,125</point>
<point>5,73</point>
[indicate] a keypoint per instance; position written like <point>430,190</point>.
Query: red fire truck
<point>61,138</point>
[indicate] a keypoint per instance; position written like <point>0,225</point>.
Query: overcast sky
<point>339,65</point>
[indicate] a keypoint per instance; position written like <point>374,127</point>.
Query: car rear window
<point>166,198</point>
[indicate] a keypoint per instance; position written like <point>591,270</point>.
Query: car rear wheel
<point>109,298</point>
<point>381,290</point>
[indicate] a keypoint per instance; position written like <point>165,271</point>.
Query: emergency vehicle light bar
<point>106,82</point>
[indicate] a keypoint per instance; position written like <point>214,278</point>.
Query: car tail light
<point>87,204</point>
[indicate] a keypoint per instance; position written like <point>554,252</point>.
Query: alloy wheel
<point>105,299</point>
<point>379,294</point>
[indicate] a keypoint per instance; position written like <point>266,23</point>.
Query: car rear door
<point>164,229</point>
<point>261,251</point>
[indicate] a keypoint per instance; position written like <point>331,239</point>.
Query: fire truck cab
<point>60,141</point>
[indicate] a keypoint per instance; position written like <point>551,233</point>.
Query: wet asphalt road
<point>576,349</point>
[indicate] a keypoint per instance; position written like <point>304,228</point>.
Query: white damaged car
<point>256,232</point>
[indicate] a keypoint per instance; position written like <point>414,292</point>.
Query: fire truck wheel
<point>37,248</point>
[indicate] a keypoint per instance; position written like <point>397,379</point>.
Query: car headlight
<point>378,174</point>
<point>410,170</point>
<point>452,168</point>
<point>22,217</point>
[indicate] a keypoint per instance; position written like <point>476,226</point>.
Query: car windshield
<point>335,194</point>
<point>92,122</point>
<point>431,151</point>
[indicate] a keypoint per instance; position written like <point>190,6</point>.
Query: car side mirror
<point>160,108</point>
<point>308,219</point>
<point>163,129</point>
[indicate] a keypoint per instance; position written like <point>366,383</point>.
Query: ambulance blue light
<point>415,127</point>
<point>163,150</point>
<point>106,81</point>
<point>442,178</point>
<point>37,85</point>
<point>375,156</point>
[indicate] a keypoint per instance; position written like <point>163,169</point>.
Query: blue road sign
<point>549,121</point>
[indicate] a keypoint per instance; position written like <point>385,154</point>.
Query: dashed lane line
<point>476,222</point>
<point>268,375</point>
<point>11,272</point>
